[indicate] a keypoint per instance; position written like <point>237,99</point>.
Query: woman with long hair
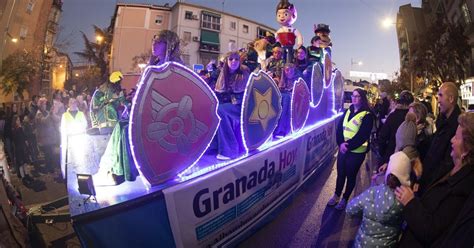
<point>423,127</point>
<point>429,217</point>
<point>352,136</point>
<point>231,83</point>
<point>165,48</point>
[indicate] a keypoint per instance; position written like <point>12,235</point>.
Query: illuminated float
<point>184,196</point>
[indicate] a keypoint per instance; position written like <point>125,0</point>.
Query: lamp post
<point>386,23</point>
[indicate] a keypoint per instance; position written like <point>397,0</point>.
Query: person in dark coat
<point>430,217</point>
<point>386,138</point>
<point>352,136</point>
<point>437,161</point>
<point>461,232</point>
<point>423,127</point>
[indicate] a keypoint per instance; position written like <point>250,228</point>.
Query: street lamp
<point>99,38</point>
<point>14,40</point>
<point>386,23</point>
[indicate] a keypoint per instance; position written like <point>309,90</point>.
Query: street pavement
<point>46,188</point>
<point>306,221</point>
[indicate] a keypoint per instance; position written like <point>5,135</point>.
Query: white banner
<point>216,208</point>
<point>319,145</point>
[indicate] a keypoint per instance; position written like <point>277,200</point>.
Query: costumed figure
<point>274,64</point>
<point>165,48</point>
<point>319,42</point>
<point>289,76</point>
<point>116,164</point>
<point>105,101</point>
<point>258,52</point>
<point>287,35</point>
<point>301,61</point>
<point>232,82</point>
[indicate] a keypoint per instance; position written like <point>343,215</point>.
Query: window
<point>211,22</point>
<point>159,20</point>
<point>186,59</point>
<point>246,29</point>
<point>232,44</point>
<point>30,6</point>
<point>262,32</point>
<point>466,13</point>
<point>187,36</point>
<point>23,32</point>
<point>233,25</point>
<point>188,15</point>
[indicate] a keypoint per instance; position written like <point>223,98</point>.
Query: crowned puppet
<point>287,35</point>
<point>321,41</point>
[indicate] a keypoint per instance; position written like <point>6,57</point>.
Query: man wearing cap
<point>105,102</point>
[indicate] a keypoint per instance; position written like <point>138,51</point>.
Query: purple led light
<point>142,82</point>
<point>300,80</point>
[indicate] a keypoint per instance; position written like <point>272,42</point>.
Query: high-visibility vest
<point>73,124</point>
<point>352,126</point>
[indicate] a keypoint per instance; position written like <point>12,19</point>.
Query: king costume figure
<point>287,35</point>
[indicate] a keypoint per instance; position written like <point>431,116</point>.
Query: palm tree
<point>98,51</point>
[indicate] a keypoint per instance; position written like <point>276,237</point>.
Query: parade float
<point>183,196</point>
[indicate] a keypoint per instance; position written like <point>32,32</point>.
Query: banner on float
<point>320,145</point>
<point>218,207</point>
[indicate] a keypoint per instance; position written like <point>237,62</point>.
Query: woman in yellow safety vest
<point>352,136</point>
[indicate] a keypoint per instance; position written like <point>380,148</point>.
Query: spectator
<point>47,134</point>
<point>381,212</point>
<point>429,217</point>
<point>19,148</point>
<point>386,137</point>
<point>424,128</point>
<point>437,161</point>
<point>352,135</point>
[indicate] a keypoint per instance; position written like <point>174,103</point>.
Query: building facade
<point>30,25</point>
<point>205,33</point>
<point>461,12</point>
<point>410,27</point>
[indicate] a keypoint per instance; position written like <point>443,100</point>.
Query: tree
<point>441,54</point>
<point>18,72</point>
<point>87,81</point>
<point>142,58</point>
<point>98,52</point>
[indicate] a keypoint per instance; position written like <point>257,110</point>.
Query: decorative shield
<point>173,119</point>
<point>299,105</point>
<point>261,110</point>
<point>338,90</point>
<point>327,69</point>
<point>317,87</point>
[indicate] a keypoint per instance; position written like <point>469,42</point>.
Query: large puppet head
<point>286,13</point>
<point>322,31</point>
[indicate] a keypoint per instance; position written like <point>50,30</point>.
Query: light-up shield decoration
<point>261,110</point>
<point>327,69</point>
<point>299,105</point>
<point>317,85</point>
<point>173,121</point>
<point>338,90</point>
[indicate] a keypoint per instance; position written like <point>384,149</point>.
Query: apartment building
<point>410,27</point>
<point>30,25</point>
<point>205,33</point>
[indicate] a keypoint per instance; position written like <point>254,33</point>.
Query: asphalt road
<point>306,221</point>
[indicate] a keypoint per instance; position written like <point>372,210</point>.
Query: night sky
<point>356,28</point>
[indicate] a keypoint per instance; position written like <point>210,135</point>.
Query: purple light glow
<point>134,103</point>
